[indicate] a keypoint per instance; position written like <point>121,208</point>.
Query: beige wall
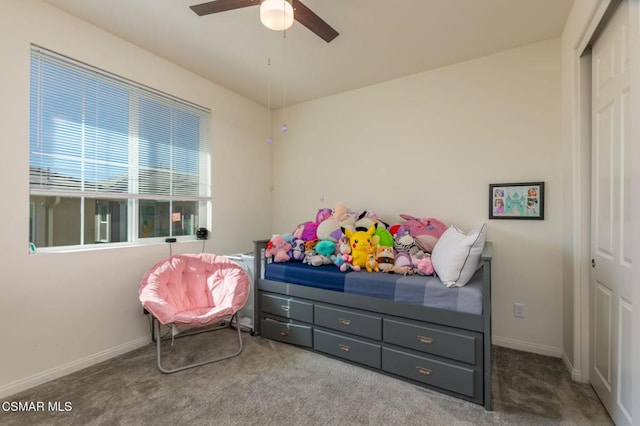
<point>64,311</point>
<point>429,145</point>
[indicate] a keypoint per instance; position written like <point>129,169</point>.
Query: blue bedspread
<point>414,289</point>
<point>327,276</point>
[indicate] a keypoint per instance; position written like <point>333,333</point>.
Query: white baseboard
<point>72,367</point>
<point>521,345</point>
<point>576,375</point>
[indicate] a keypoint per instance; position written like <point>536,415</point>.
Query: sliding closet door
<point>611,219</point>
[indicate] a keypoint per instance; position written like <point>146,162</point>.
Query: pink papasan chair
<point>194,291</point>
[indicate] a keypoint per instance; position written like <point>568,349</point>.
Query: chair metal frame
<point>156,336</point>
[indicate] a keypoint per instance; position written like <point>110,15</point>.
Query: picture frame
<point>521,200</point>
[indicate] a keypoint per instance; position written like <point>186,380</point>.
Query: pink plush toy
<point>417,226</point>
<point>421,261</point>
<point>425,267</point>
<point>425,232</point>
<point>345,262</point>
<point>279,248</point>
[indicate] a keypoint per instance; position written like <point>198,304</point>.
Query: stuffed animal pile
<point>360,241</point>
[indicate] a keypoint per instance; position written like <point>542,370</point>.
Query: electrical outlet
<point>518,310</point>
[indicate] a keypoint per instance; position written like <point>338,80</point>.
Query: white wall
<point>63,311</point>
<point>429,145</point>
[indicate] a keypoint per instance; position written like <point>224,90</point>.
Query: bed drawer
<point>348,321</point>
<point>435,373</point>
<point>449,344</point>
<point>347,348</point>
<point>287,307</point>
<point>296,334</point>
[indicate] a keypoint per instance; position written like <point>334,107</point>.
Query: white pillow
<point>456,255</point>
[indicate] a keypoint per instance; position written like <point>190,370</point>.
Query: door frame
<point>581,191</point>
<point>634,45</point>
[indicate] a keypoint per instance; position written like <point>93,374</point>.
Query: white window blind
<point>93,134</point>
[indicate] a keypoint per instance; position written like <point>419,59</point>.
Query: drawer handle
<point>425,340</point>
<point>424,371</point>
<point>344,321</point>
<point>284,308</point>
<point>284,333</point>
<point>344,348</point>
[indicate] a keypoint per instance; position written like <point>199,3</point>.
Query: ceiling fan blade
<point>221,6</point>
<point>316,24</point>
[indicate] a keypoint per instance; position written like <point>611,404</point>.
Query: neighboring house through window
<point>111,161</point>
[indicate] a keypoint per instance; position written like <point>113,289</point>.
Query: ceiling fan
<point>302,14</point>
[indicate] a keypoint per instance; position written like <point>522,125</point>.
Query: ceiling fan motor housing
<point>276,14</point>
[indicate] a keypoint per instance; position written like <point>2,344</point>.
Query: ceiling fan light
<point>276,14</point>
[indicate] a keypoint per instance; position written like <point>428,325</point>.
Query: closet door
<point>611,219</point>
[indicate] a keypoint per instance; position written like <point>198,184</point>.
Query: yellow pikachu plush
<point>360,242</point>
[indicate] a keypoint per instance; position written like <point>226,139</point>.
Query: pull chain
<point>284,83</point>
<point>268,101</point>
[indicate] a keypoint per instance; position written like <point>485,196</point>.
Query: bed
<point>409,327</point>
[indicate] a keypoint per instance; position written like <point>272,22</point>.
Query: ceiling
<point>379,40</point>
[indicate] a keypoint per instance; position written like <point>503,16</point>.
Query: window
<point>111,161</point>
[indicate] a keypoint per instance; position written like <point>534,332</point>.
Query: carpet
<point>273,383</point>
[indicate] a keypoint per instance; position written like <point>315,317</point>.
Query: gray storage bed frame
<point>440,349</point>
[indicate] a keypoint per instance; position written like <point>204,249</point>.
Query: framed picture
<point>516,200</point>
